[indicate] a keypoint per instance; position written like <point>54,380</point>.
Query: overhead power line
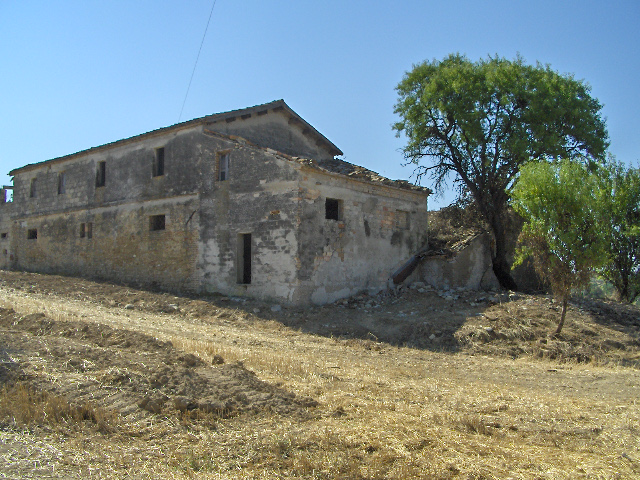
<point>197,58</point>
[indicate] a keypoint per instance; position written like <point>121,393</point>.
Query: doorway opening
<point>244,258</point>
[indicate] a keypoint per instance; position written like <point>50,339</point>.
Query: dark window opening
<point>101,174</point>
<point>32,234</point>
<point>86,230</point>
<point>156,222</point>
<point>4,235</point>
<point>61,184</point>
<point>158,164</point>
<point>333,209</point>
<point>6,251</point>
<point>33,187</point>
<point>244,258</point>
<point>223,167</point>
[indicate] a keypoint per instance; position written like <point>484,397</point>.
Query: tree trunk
<point>565,301</point>
<point>501,267</point>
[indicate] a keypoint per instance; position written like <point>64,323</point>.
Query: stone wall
<point>472,268</point>
<point>116,243</point>
<point>377,230</point>
<point>136,228</point>
<point>259,199</point>
<point>261,230</point>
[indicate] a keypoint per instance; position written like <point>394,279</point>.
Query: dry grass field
<point>106,381</point>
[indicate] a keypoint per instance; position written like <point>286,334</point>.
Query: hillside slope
<point>109,381</point>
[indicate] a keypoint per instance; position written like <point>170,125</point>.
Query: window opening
<point>6,194</point>
<point>32,234</point>
<point>333,209</point>
<point>33,187</point>
<point>4,235</point>
<point>101,174</point>
<point>61,184</point>
<point>158,163</point>
<point>83,230</point>
<point>223,167</point>
<point>244,258</point>
<point>156,222</point>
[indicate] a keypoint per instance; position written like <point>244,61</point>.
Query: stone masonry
<point>251,202</point>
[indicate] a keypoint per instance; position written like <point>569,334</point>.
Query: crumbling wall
<point>275,130</point>
<point>259,198</point>
<point>378,229</point>
<point>260,230</point>
<point>108,231</point>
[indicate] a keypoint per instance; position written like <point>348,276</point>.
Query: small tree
<point>481,121</point>
<point>563,231</point>
<point>622,211</point>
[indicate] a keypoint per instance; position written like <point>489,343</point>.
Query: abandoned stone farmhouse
<point>251,202</point>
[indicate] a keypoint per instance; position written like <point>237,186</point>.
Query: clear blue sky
<point>76,74</point>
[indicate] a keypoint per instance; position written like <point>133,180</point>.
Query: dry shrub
<point>22,406</point>
<point>452,225</point>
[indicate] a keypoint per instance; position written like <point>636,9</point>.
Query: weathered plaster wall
<point>275,131</point>
<point>379,229</point>
<point>128,175</point>
<point>259,198</point>
<point>123,245</point>
<point>297,255</point>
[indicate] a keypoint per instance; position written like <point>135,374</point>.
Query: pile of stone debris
<point>397,293</point>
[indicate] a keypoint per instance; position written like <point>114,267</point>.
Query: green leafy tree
<point>482,121</point>
<point>622,211</point>
<point>563,231</point>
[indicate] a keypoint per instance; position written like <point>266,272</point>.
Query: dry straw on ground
<point>493,397</point>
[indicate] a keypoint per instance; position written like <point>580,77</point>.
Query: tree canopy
<point>482,121</point>
<point>563,234</point>
<point>622,218</point>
